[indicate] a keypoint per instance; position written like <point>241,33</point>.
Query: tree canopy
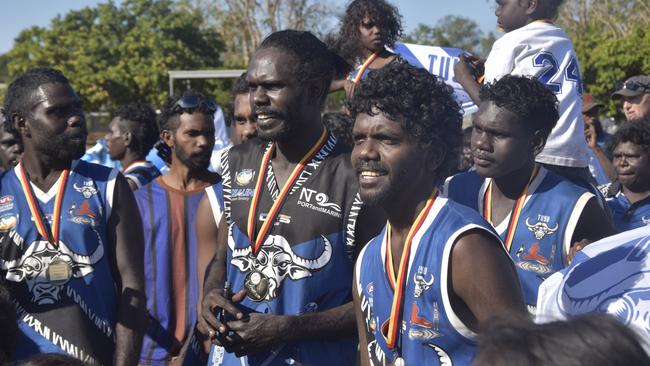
<point>612,40</point>
<point>118,54</point>
<point>453,31</point>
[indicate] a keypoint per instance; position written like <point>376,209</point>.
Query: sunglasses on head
<point>633,86</point>
<point>195,101</point>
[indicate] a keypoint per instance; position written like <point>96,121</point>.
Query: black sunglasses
<point>632,85</point>
<point>195,101</point>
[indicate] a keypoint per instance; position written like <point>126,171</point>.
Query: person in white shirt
<point>534,46</point>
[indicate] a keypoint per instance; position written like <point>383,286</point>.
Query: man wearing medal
<point>71,239</point>
<point>542,218</point>
<point>438,271</point>
<point>293,221</point>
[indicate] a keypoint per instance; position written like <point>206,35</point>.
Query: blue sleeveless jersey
<point>171,273</point>
<point>77,317</point>
<point>307,255</point>
<point>431,333</point>
<point>543,235</point>
<point>141,173</point>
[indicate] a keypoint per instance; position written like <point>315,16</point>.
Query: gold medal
<point>256,285</point>
<point>58,272</point>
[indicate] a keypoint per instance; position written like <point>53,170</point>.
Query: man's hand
<point>213,303</point>
<point>576,247</point>
<point>464,74</point>
<point>260,332</point>
<point>467,67</point>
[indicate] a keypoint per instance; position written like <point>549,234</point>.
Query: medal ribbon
<point>399,284</point>
<point>275,208</point>
<point>41,226</point>
<point>134,163</point>
<point>516,211</point>
<point>365,65</point>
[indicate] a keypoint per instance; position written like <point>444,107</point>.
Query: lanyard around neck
<point>53,235</point>
<point>391,331</point>
<point>516,211</point>
<point>364,66</point>
<point>275,208</point>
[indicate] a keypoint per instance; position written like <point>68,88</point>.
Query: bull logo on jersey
<point>33,265</point>
<point>87,189</point>
<point>276,260</point>
<point>421,283</point>
<point>541,229</point>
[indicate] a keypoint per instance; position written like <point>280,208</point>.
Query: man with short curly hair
<point>70,235</point>
<point>438,271</point>
<point>629,196</point>
<point>541,217</point>
<point>132,133</point>
<point>292,222</point>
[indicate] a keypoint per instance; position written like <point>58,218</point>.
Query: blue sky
<point>18,15</point>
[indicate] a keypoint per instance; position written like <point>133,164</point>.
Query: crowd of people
<point>372,236</point>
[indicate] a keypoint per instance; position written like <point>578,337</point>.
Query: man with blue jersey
<point>132,133</point>
<point>538,214</point>
<point>168,206</point>
<point>438,271</point>
<point>292,223</point>
<point>629,196</point>
<point>70,236</point>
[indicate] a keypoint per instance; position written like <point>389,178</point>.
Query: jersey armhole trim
<point>457,324</point>
<point>110,192</point>
<point>214,205</point>
<point>578,209</point>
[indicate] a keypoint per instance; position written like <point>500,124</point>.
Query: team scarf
<point>364,66</point>
<point>390,331</point>
<point>284,192</point>
<point>516,211</point>
<point>53,235</point>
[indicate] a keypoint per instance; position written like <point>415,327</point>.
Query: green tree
<point>118,54</point>
<point>612,41</point>
<point>243,24</point>
<point>452,31</point>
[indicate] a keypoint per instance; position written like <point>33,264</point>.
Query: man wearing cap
<point>635,93</point>
<point>600,165</point>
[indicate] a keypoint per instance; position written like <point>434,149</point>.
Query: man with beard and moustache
<point>292,222</point>
<point>542,217</point>
<point>438,272</point>
<point>71,239</point>
<point>168,206</point>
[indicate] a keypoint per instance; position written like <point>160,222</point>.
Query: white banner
<point>439,61</point>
